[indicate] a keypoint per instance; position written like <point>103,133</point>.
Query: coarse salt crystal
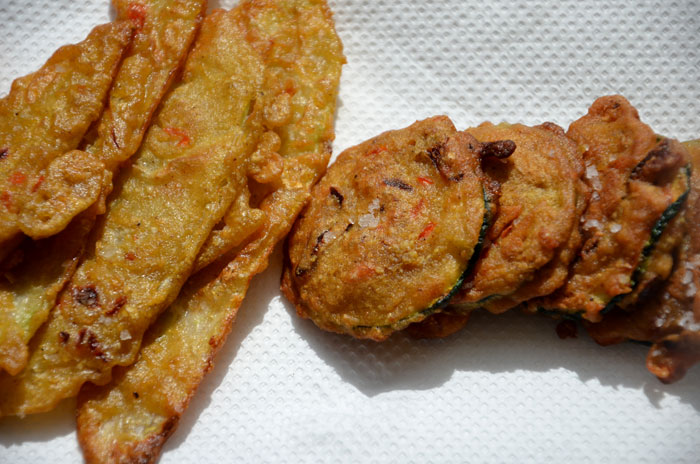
<point>125,335</point>
<point>615,227</point>
<point>687,277</point>
<point>688,322</point>
<point>592,224</point>
<point>591,171</point>
<point>594,177</point>
<point>368,220</point>
<point>374,206</point>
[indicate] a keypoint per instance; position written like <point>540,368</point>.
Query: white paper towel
<point>506,389</point>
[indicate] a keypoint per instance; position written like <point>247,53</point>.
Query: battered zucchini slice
<point>391,230</point>
<point>639,182</point>
<point>537,220</point>
<point>667,313</point>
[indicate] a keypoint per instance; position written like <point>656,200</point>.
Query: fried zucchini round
<point>390,231</point>
<point>536,223</point>
<point>668,313</point>
<point>638,182</point>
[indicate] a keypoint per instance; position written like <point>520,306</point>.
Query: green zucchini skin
<point>666,217</point>
<point>443,301</point>
<point>669,213</point>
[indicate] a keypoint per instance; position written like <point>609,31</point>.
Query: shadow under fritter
<point>494,344</point>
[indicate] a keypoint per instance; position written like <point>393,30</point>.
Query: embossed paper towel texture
<point>505,389</point>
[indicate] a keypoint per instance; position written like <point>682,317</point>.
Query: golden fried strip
<point>165,33</point>
<point>33,287</point>
<point>130,419</point>
<point>45,116</point>
<point>240,222</point>
<point>186,175</point>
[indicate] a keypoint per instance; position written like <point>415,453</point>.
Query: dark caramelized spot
<point>300,271</point>
<point>118,304</point>
<point>659,164</point>
<point>398,183</point>
<point>319,240</point>
<point>4,152</point>
<point>349,226</point>
<point>81,335</point>
<point>338,196</point>
<point>64,336</point>
<point>86,296</point>
<point>91,343</point>
<point>435,155</point>
<point>590,246</point>
<point>500,149</point>
<point>114,139</point>
<point>136,395</point>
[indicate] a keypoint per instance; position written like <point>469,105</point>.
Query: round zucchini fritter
<point>638,183</point>
<point>668,313</point>
<point>537,220</point>
<point>390,231</point>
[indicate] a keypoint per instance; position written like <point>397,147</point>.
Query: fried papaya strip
<point>28,292</point>
<point>183,179</point>
<point>668,316</point>
<point>130,419</point>
<point>165,31</point>
<point>43,119</point>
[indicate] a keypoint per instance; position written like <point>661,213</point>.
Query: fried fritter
<point>390,231</point>
<point>668,315</point>
<point>43,183</point>
<point>635,177</point>
<point>134,415</point>
<point>165,31</point>
<point>193,160</point>
<point>535,232</point>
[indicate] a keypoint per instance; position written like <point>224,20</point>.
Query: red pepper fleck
<point>137,13</point>
<point>130,256</point>
<point>18,178</point>
<point>175,132</point>
<point>417,209</point>
<point>376,150</point>
<point>425,180</point>
<point>6,200</point>
<point>428,229</point>
<point>361,272</point>
<point>38,183</point>
<point>507,230</point>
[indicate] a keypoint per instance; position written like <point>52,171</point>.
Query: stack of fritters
<point>583,225</point>
<point>216,180</point>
